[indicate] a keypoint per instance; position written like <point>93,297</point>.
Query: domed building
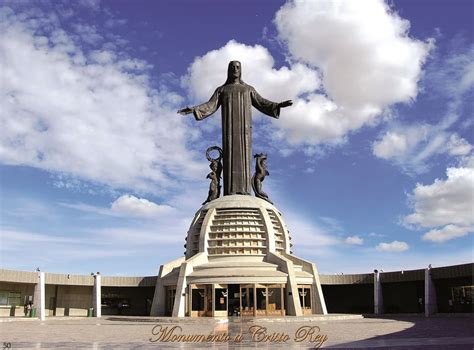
<point>238,262</point>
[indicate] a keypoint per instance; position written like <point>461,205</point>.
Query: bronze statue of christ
<point>236,99</point>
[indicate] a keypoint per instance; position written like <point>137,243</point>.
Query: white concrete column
<point>319,304</point>
<point>205,229</point>
<point>286,265</point>
<point>179,307</point>
<point>97,295</point>
<point>39,297</point>
<point>158,307</point>
<point>431,305</point>
<point>271,243</point>
<point>378,298</point>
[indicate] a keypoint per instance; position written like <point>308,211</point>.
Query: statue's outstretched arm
<point>268,107</point>
<point>286,103</point>
<point>185,111</point>
<point>203,110</point>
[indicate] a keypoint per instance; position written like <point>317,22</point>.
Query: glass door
<point>275,306</point>
<point>246,300</point>
<point>220,300</point>
<point>261,301</point>
<point>304,293</point>
<point>198,301</point>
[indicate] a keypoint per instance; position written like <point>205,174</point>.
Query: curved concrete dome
<point>237,225</point>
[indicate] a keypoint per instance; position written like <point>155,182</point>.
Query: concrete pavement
<point>333,331</point>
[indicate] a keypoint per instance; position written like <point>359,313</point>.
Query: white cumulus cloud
<point>444,202</point>
<point>94,117</point>
<point>458,146</point>
<point>446,206</point>
<point>140,207</point>
<point>355,240</point>
<point>367,60</point>
<point>446,233</point>
<point>412,146</point>
<point>395,246</point>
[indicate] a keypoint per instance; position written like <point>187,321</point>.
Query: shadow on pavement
<point>439,332</point>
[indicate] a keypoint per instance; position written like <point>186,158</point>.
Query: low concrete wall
<point>18,276</point>
<point>148,281</point>
<point>12,311</point>
<point>347,279</point>
<point>73,294</point>
<point>73,300</point>
<point>67,279</point>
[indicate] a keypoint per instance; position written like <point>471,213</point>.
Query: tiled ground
<point>402,332</point>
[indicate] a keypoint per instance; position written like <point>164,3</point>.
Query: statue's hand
<point>185,111</point>
<point>285,104</point>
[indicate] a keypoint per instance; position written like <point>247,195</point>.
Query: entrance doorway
<point>304,293</point>
<point>247,300</point>
<point>237,300</point>
<point>234,300</point>
<point>201,300</point>
<point>220,300</point>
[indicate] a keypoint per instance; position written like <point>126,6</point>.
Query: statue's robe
<point>236,100</point>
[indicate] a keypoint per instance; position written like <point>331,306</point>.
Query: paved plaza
<point>338,331</point>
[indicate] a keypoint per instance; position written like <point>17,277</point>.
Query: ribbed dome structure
<point>238,260</point>
<point>237,225</point>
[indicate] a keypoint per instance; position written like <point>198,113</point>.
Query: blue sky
<point>372,167</point>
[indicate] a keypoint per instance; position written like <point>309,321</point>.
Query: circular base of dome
<point>239,201</point>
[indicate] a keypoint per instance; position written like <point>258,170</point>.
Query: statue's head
<point>260,156</point>
<point>261,159</point>
<point>234,71</point>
